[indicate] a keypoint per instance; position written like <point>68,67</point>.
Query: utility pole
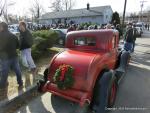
<point>66,6</point>
<point>142,5</point>
<point>124,11</point>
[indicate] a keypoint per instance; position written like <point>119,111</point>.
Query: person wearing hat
<point>8,55</point>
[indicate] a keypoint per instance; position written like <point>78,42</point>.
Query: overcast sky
<point>21,7</point>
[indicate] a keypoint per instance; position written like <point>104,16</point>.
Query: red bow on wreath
<point>63,71</point>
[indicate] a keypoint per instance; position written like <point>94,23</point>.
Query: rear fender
<point>51,63</point>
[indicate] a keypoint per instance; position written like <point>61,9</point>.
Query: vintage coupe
<point>94,57</point>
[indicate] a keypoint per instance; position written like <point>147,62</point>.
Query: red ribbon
<point>63,71</point>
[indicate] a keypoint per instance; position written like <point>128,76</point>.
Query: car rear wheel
<point>112,94</point>
<point>104,93</point>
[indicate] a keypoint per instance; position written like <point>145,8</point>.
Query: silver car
<point>139,31</point>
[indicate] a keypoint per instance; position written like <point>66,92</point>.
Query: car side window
<point>85,41</point>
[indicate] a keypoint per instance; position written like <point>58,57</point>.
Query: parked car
<point>88,71</point>
<point>61,36</point>
<point>14,31</point>
<point>139,31</point>
<point>141,25</point>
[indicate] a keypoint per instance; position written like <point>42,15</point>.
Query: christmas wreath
<point>63,76</point>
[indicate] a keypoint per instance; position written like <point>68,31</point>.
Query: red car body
<point>88,62</point>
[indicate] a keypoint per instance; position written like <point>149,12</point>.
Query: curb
<point>17,100</point>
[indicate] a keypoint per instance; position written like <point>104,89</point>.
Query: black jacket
<point>8,45</point>
<point>26,40</point>
<point>130,35</point>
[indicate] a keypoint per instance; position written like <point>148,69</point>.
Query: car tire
<point>105,92</point>
<point>45,75</point>
<point>41,83</point>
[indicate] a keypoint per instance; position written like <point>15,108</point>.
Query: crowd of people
<point>9,43</point>
<point>85,26</point>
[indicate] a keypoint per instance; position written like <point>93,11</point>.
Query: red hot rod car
<point>85,72</point>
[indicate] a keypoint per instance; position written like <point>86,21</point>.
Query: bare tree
<point>59,5</point>
<point>36,9</point>
<point>68,4</point>
<point>4,5</point>
<point>12,18</point>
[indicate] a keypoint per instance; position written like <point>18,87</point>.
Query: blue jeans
<point>26,58</point>
<point>8,64</point>
<point>128,46</point>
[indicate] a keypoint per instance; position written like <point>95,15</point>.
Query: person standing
<point>134,37</point>
<point>129,38</point>
<point>26,42</point>
<point>8,55</point>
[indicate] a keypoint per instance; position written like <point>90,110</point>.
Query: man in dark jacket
<point>26,42</point>
<point>8,55</point>
<point>129,38</point>
<point>134,37</point>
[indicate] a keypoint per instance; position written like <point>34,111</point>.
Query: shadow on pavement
<point>142,45</point>
<point>141,59</point>
<point>34,108</point>
<point>134,90</point>
<point>40,108</point>
<point>60,105</point>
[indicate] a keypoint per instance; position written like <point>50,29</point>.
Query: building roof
<point>94,11</point>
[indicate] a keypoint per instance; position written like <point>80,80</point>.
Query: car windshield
<point>13,30</point>
<point>85,41</point>
<point>61,31</point>
<point>138,25</point>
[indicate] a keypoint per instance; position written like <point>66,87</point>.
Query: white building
<point>99,15</point>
